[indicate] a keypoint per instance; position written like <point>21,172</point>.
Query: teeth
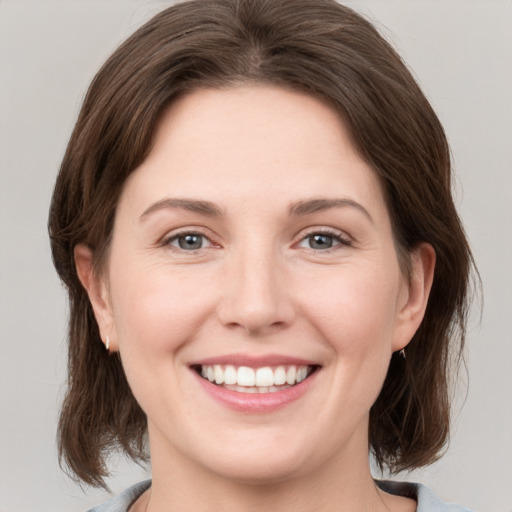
<point>254,389</point>
<point>264,377</point>
<point>279,376</point>
<point>290,375</point>
<point>259,380</point>
<point>302,373</point>
<point>219,374</point>
<point>245,376</point>
<point>229,375</point>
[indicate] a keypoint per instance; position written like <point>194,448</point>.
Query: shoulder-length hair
<point>316,46</point>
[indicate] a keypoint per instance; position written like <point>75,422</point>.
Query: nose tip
<point>257,319</point>
<point>256,299</point>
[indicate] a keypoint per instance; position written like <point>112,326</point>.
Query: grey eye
<point>188,242</point>
<point>320,241</point>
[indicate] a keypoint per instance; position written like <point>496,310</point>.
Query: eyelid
<point>341,237</point>
<point>166,240</point>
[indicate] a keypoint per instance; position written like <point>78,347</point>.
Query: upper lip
<point>254,361</point>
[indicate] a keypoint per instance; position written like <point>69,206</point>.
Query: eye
<point>323,241</point>
<point>188,241</point>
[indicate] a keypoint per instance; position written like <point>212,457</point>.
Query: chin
<point>260,460</point>
<point>259,470</point>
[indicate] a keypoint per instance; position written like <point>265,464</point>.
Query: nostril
<point>255,299</point>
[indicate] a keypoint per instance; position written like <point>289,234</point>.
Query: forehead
<point>252,142</point>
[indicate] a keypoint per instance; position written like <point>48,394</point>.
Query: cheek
<point>156,313</point>
<point>355,315</point>
<point>355,309</point>
<point>157,310</point>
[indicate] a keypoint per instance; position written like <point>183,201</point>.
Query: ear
<point>413,302</point>
<point>97,290</point>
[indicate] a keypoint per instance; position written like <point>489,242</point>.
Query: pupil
<point>320,241</point>
<point>190,242</point>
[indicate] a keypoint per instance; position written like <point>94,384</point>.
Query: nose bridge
<point>255,295</point>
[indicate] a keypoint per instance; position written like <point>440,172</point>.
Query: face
<point>253,288</point>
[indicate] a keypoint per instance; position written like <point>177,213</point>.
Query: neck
<point>343,484</point>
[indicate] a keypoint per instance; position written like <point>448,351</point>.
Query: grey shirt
<point>427,500</point>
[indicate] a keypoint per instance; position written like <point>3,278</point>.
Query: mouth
<point>260,380</point>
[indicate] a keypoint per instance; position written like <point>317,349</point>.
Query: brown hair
<point>316,46</point>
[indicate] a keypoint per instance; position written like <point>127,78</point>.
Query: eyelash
<point>337,236</point>
<point>167,241</point>
<point>341,239</point>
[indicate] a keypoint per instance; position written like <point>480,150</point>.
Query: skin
<point>257,286</point>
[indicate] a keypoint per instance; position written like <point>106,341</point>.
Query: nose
<point>256,294</point>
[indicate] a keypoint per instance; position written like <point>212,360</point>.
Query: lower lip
<point>256,403</point>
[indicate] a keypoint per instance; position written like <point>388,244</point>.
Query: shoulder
<point>427,500</point>
<point>123,501</point>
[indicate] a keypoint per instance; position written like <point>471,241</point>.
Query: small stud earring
<point>402,353</point>
<point>107,343</point>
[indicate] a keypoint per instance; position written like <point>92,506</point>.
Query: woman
<point>266,271</point>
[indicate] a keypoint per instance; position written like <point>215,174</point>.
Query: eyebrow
<point>303,207</point>
<point>193,205</point>
<point>315,205</point>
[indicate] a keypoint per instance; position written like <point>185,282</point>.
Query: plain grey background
<point>461,53</point>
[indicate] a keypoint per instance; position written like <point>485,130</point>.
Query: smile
<point>244,379</point>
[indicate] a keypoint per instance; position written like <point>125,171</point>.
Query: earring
<point>107,343</point>
<point>402,353</point>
